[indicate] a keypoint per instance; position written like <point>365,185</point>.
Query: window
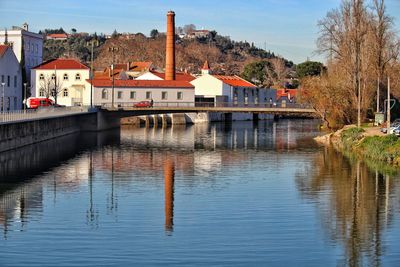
<point>53,76</point>
<point>32,49</point>
<point>65,77</point>
<point>53,92</point>
<point>65,92</point>
<point>8,80</point>
<point>41,77</point>
<point>119,95</point>
<point>78,77</point>
<point>148,95</point>
<point>2,78</point>
<point>179,95</point>
<point>28,45</point>
<point>164,95</point>
<point>15,103</point>
<point>41,92</point>
<point>15,81</point>
<point>133,94</point>
<point>104,94</point>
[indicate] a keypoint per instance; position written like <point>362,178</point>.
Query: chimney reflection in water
<point>169,175</point>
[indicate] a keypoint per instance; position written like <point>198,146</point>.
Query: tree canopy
<point>309,68</point>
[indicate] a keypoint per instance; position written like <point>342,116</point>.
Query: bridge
<point>291,110</point>
<point>21,128</point>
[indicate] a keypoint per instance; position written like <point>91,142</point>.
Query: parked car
<point>393,125</point>
<point>143,104</point>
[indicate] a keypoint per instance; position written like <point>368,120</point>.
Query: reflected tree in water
<point>356,205</point>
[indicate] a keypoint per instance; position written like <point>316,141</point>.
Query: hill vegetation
<point>226,57</point>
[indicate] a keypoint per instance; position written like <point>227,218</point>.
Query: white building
<point>155,75</point>
<point>11,80</point>
<point>22,40</point>
<point>220,90</point>
<point>68,75</point>
<point>128,92</point>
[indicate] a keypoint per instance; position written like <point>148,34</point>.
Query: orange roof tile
<point>289,93</point>
<point>206,66</point>
<point>234,81</point>
<point>3,49</point>
<point>61,64</point>
<point>58,35</point>
<point>141,83</point>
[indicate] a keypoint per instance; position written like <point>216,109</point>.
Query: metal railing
<point>44,112</point>
<point>122,105</point>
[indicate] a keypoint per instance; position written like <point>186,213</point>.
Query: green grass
<point>376,148</point>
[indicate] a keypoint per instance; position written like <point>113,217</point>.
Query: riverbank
<point>368,143</point>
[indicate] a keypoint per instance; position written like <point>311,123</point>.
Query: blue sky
<point>287,27</point>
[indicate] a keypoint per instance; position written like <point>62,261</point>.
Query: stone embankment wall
<point>18,134</point>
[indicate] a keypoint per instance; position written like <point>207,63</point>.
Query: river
<point>239,194</point>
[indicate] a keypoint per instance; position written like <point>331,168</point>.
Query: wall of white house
<point>148,76</point>
<point>72,91</point>
<point>33,44</point>
<point>208,86</point>
<point>10,74</point>
<point>160,96</point>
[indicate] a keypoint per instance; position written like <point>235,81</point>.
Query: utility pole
<point>55,84</point>
<point>92,43</point>
<point>112,49</point>
<point>2,99</point>
<point>388,108</point>
<point>377,95</point>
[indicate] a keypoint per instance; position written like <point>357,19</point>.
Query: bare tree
<point>50,86</point>
<point>280,69</point>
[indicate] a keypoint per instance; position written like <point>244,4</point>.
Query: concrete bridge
<point>22,128</point>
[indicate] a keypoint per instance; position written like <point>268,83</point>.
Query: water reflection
<point>169,175</point>
<point>142,175</point>
<point>356,205</point>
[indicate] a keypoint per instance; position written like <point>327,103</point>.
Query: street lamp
<point>112,49</point>
<point>92,43</point>
<point>2,104</point>
<point>24,102</point>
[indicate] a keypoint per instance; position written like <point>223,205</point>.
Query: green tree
<point>258,72</point>
<point>309,68</point>
<point>154,33</point>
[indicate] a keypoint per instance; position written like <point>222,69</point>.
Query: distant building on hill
<point>57,36</point>
<point>27,46</point>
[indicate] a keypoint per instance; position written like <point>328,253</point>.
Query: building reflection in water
<point>195,151</point>
<point>356,205</point>
<point>169,176</point>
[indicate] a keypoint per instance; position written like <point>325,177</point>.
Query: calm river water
<point>213,195</point>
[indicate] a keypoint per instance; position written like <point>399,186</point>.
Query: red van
<point>35,102</point>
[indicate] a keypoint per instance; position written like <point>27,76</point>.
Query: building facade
<point>66,78</point>
<point>10,80</point>
<point>129,92</point>
<point>27,46</point>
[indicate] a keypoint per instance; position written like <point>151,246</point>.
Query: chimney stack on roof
<point>170,47</point>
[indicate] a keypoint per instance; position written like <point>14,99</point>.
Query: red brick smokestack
<point>170,52</point>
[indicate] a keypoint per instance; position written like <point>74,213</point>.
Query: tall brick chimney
<point>170,50</point>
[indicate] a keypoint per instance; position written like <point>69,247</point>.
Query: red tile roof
<point>141,83</point>
<point>3,49</point>
<point>61,64</point>
<point>206,66</point>
<point>57,35</point>
<point>234,81</point>
<point>289,93</point>
<point>179,76</point>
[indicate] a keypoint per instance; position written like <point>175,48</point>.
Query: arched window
<point>104,94</point>
<point>65,77</point>
<point>41,77</point>
<point>53,76</point>
<point>65,92</point>
<point>41,92</point>
<point>78,77</point>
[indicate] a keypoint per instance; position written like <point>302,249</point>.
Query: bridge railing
<point>206,104</point>
<point>45,112</point>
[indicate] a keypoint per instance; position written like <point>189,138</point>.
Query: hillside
<point>225,56</point>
